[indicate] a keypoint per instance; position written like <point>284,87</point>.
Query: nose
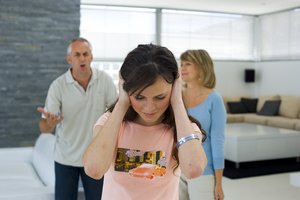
<point>182,67</point>
<point>182,70</point>
<point>149,106</point>
<point>81,58</point>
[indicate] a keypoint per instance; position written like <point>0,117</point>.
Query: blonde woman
<point>206,105</point>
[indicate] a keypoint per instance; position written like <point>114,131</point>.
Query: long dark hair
<point>140,69</point>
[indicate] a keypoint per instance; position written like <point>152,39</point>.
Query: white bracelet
<point>187,138</point>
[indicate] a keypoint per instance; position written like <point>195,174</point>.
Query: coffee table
<point>246,142</point>
<point>295,179</point>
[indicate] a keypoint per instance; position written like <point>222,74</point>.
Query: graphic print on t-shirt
<point>141,164</point>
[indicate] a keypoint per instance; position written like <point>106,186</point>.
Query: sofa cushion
<point>250,104</point>
<point>43,159</point>
<point>231,98</point>
<point>262,99</point>
<point>270,108</point>
<point>235,118</point>
<point>256,119</point>
<point>18,171</point>
<point>16,154</point>
<point>290,106</point>
<point>236,107</point>
<point>281,122</point>
<point>27,192</point>
<point>297,125</point>
<point>20,183</point>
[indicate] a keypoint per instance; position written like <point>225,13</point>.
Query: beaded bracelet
<point>187,138</point>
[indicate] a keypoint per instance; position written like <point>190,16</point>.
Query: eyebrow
<point>81,52</point>
<point>159,95</point>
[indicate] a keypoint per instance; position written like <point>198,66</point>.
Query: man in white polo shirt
<point>74,102</point>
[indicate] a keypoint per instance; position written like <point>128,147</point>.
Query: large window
<point>224,36</point>
<point>114,31</point>
<point>110,67</point>
<point>279,35</point>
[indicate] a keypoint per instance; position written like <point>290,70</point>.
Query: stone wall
<point>33,41</point>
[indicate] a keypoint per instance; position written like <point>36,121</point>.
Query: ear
<point>68,59</point>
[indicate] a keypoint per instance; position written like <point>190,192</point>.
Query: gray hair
<point>69,50</point>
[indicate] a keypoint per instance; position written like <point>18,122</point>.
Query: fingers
<point>53,117</point>
<point>41,110</point>
<point>123,95</point>
<point>50,117</point>
<point>219,196</point>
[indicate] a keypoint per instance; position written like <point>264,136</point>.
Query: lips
<point>149,114</point>
<point>184,74</point>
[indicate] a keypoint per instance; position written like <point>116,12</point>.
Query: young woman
<point>206,105</point>
<point>146,139</point>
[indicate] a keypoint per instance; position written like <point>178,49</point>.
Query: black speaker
<point>249,75</point>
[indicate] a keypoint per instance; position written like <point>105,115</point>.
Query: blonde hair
<point>204,63</point>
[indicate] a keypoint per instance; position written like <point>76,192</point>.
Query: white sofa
<point>27,173</point>
<point>253,137</point>
<point>288,115</point>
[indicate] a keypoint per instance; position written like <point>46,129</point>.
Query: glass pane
<point>114,31</point>
<point>224,36</point>
<point>111,68</point>
<point>280,35</point>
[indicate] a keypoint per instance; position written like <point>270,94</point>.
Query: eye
<point>139,97</point>
<point>160,97</point>
<point>185,64</point>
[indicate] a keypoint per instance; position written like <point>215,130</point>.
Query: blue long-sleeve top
<point>212,115</point>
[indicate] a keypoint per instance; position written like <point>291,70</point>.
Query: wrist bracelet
<point>187,138</point>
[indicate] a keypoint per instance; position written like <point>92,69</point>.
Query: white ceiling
<point>251,7</point>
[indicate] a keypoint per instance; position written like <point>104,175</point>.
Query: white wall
<point>276,77</point>
<point>230,78</point>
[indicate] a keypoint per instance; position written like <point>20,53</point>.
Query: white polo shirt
<point>80,110</point>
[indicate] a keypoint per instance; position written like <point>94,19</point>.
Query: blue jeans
<point>66,183</point>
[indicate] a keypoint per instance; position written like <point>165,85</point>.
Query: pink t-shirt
<point>144,166</point>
